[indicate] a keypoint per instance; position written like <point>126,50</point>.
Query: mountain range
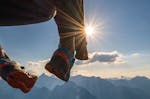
<point>81,87</point>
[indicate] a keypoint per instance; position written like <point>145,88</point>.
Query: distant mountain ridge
<point>135,88</point>
<point>81,87</point>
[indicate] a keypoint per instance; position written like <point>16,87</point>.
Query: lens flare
<point>89,30</point>
<point>94,27</point>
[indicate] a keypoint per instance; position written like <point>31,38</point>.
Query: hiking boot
<point>16,77</point>
<point>61,64</point>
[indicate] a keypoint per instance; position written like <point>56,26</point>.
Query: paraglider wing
<point>20,12</point>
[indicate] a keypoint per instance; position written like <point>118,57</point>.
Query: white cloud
<point>99,64</point>
<point>37,67</point>
<point>135,54</point>
<point>104,57</point>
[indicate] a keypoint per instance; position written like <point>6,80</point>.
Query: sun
<point>93,28</point>
<point>89,30</point>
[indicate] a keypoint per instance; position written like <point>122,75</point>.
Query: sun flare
<point>89,30</point>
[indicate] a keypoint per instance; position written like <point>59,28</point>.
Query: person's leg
<point>81,47</point>
<point>80,38</point>
<point>63,58</point>
<point>70,23</point>
<point>14,75</point>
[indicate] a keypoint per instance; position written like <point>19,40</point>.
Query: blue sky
<point>123,26</point>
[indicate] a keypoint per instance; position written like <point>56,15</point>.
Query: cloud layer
<point>37,67</point>
<point>104,57</point>
<point>114,57</point>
